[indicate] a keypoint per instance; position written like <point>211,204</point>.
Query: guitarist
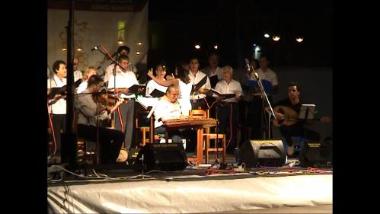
<point>286,112</point>
<point>91,114</point>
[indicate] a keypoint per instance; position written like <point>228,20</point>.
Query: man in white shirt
<point>121,51</point>
<point>228,109</point>
<point>77,73</point>
<point>167,108</point>
<point>213,71</point>
<point>57,107</point>
<point>266,73</point>
<point>124,79</point>
<point>198,96</point>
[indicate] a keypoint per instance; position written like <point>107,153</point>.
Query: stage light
<point>276,38</point>
<point>266,35</point>
<point>137,52</point>
<point>215,47</point>
<point>299,39</point>
<point>197,46</point>
<point>139,43</point>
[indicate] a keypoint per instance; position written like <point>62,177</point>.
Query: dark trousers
<point>298,131</point>
<point>228,116</point>
<point>110,141</point>
<point>59,124</point>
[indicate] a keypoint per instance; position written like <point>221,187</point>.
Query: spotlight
<point>266,35</point>
<point>276,38</point>
<point>215,47</point>
<point>197,46</point>
<point>299,39</point>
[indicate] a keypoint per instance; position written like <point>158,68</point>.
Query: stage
<point>195,190</point>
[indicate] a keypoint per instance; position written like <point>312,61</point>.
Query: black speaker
<point>262,153</point>
<point>161,156</point>
<point>315,154</point>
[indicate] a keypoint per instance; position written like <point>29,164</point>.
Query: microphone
<point>255,74</point>
<point>96,47</point>
<point>247,64</point>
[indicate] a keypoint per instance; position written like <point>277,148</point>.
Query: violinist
<point>92,109</point>
<point>91,70</point>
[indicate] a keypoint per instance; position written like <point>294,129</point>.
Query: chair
<point>198,113</point>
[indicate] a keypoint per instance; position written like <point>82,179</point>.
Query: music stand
<point>307,112</point>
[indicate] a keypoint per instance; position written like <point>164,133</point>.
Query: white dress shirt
<point>233,87</point>
<point>194,79</point>
<point>184,99</point>
<point>77,75</point>
<point>123,79</point>
<point>153,85</point>
<point>58,107</point>
<point>165,110</point>
<point>269,75</point>
<point>82,86</point>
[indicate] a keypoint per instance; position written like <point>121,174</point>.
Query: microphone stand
<point>263,94</point>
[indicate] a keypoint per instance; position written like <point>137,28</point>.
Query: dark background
<point>176,26</point>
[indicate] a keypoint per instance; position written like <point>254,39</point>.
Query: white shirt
<point>233,87</point>
<point>153,85</point>
<point>184,99</point>
<point>82,86</point>
<point>165,110</point>
<point>218,71</point>
<point>123,79</point>
<point>77,75</point>
<point>58,107</point>
<point>269,75</point>
<point>109,71</point>
<point>195,79</point>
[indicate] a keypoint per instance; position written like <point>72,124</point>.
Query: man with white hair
<point>228,109</point>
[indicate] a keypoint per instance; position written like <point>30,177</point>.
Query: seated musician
<point>87,74</point>
<point>92,111</point>
<point>228,109</point>
<point>287,111</point>
<point>167,108</point>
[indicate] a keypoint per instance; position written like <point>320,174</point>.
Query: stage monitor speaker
<point>315,154</point>
<point>161,156</point>
<point>262,153</point>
